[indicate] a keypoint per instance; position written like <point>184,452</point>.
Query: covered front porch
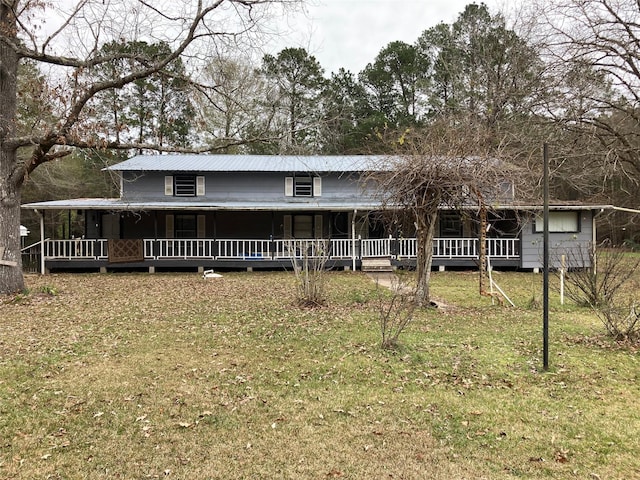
<point>200,253</point>
<point>111,235</point>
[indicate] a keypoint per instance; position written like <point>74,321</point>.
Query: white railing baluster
<point>405,248</point>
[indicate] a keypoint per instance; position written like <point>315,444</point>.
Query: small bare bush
<point>622,323</point>
<point>598,284</point>
<point>310,271</point>
<point>395,312</point>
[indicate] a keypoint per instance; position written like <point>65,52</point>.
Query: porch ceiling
<point>347,204</point>
<point>122,205</point>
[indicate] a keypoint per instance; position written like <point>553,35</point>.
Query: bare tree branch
<point>447,166</point>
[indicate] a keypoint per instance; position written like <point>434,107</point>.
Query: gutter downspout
<point>353,241</point>
<point>622,209</point>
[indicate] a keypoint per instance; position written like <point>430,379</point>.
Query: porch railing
<point>455,247</point>
<point>78,248</point>
<point>244,249</point>
<point>376,247</point>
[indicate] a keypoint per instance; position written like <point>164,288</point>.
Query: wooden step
<point>377,264</point>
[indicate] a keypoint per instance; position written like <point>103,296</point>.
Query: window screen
<point>559,222</point>
<point>185,226</point>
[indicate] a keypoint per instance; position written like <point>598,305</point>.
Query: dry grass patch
<point>173,376</point>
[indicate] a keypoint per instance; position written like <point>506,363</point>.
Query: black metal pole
<point>545,288</point>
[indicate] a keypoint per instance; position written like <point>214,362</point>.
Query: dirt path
<point>390,280</point>
<point>384,279</point>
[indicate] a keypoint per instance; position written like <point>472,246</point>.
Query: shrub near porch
<point>147,376</point>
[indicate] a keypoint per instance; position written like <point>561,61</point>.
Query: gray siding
<point>237,186</point>
<point>574,245</point>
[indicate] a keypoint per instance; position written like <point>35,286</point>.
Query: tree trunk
<point>424,238</point>
<point>11,279</point>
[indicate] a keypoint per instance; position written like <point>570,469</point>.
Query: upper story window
<point>303,186</point>
<point>184,185</point>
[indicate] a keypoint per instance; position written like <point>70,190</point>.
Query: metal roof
<point>251,163</point>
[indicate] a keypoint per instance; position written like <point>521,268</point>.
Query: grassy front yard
<point>172,376</point>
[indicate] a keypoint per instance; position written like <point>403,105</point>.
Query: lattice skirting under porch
<point>128,250</point>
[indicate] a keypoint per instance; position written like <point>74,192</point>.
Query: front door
<point>111,226</point>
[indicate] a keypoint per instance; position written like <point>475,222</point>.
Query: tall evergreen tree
<point>481,69</point>
<point>154,110</point>
<point>297,82</point>
<point>396,83</point>
<point>345,109</point>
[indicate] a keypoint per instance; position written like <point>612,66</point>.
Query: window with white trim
<point>303,186</point>
<point>559,222</point>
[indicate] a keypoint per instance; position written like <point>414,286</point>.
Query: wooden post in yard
<point>563,266</point>
<point>482,267</point>
<point>545,288</point>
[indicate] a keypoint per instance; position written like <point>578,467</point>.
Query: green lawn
<point>138,376</point>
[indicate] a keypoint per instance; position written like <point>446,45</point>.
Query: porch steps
<point>377,264</point>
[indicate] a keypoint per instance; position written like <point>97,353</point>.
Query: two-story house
<point>247,211</point>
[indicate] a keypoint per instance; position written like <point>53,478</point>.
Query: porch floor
<point>231,265</point>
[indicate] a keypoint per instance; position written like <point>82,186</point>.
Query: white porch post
<point>41,214</point>
<point>594,238</point>
<point>353,241</point>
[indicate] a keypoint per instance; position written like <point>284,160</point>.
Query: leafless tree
<point>228,99</point>
<point>448,165</point>
<point>591,50</point>
<point>65,48</point>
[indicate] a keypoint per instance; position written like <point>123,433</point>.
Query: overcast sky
<point>350,33</point>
